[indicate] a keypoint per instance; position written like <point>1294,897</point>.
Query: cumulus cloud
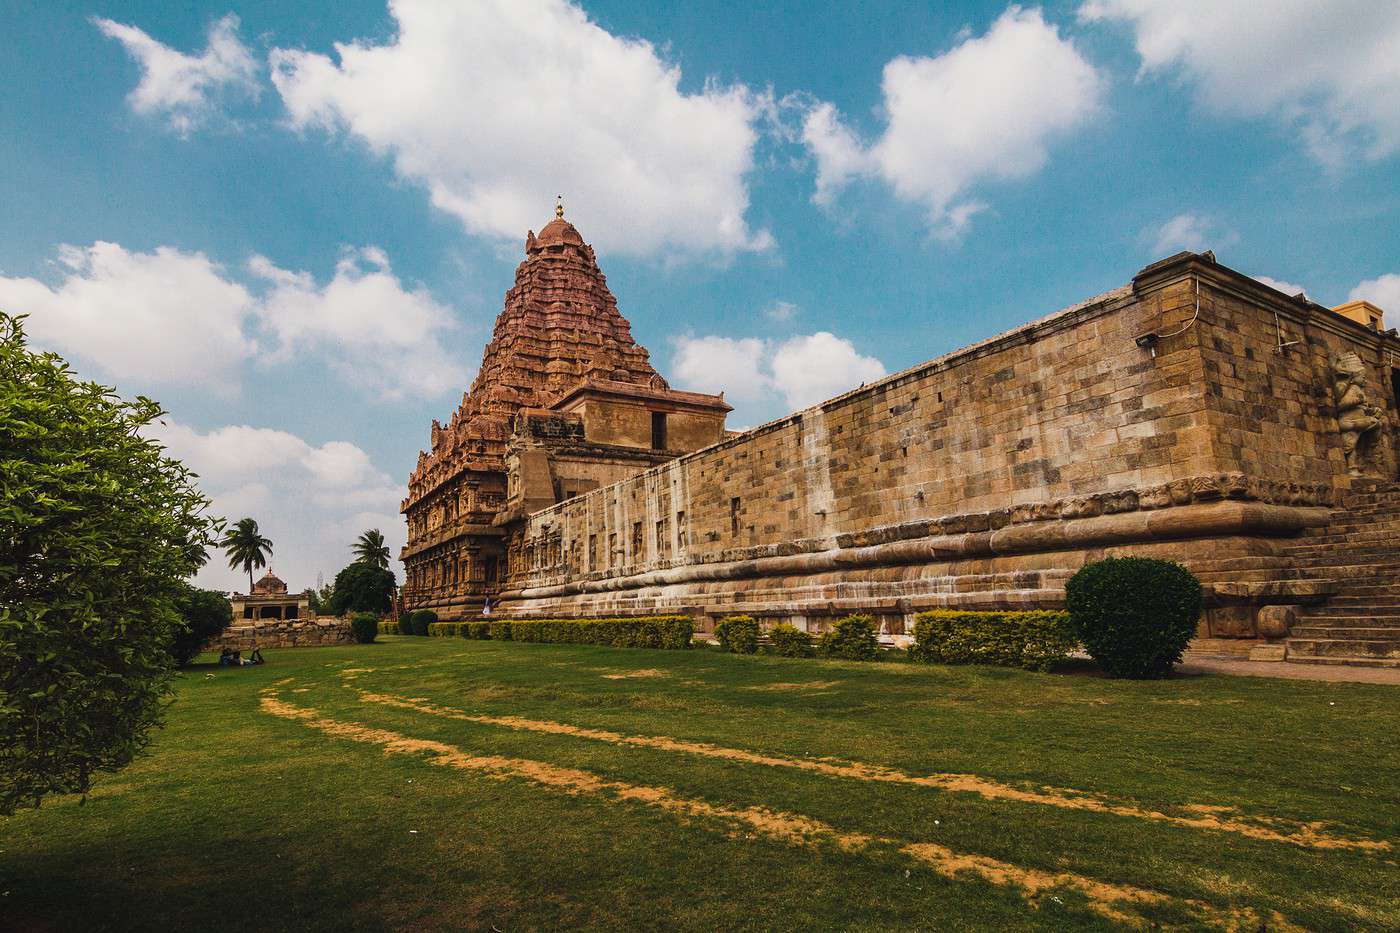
<point>1288,288</point>
<point>175,318</point>
<point>496,106</point>
<point>165,317</point>
<point>986,110</point>
<point>1326,70</point>
<point>311,500</point>
<point>186,89</point>
<point>755,374</point>
<point>1187,232</point>
<point>1382,291</point>
<point>781,311</point>
<point>364,322</point>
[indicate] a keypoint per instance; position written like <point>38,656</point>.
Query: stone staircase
<point>1360,551</point>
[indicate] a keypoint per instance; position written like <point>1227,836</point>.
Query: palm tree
<point>246,548</point>
<point>370,549</point>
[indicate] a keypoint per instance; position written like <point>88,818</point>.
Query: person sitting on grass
<point>226,657</point>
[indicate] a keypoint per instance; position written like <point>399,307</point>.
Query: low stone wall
<point>302,633</point>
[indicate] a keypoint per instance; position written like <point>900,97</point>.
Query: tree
<point>98,529</point>
<point>246,548</point>
<point>320,598</point>
<point>205,614</point>
<point>363,587</point>
<point>370,549</point>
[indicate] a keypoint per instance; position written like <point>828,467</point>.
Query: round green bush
<point>789,641</point>
<point>420,621</point>
<point>1134,615</point>
<point>364,626</point>
<point>852,639</point>
<point>738,634</point>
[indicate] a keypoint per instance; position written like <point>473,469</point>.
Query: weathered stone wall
<point>305,633</point>
<point>987,476</point>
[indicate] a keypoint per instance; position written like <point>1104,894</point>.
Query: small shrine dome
<point>270,583</point>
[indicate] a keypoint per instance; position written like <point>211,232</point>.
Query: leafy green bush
<point>421,619</point>
<point>789,641</point>
<point>648,632</point>
<point>852,638</point>
<point>444,629</point>
<point>98,529</point>
<point>738,634</point>
<point>205,615</point>
<point>362,587</point>
<point>1034,640</point>
<point>388,627</point>
<point>500,631</point>
<point>477,630</point>
<point>1134,615</point>
<point>364,626</point>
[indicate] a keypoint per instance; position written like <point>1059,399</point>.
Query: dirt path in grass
<point>1200,817</point>
<point>1114,901</point>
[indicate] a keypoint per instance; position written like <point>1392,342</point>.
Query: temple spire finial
<point>559,206</point>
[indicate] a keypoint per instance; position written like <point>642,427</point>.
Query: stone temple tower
<point>564,401</point>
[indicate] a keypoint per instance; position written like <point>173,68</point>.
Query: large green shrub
<point>364,626</point>
<point>205,615</point>
<point>421,619</point>
<point>363,587</point>
<point>789,641</point>
<point>478,630</point>
<point>852,638</point>
<point>1134,615</point>
<point>738,634</point>
<point>1034,640</point>
<point>98,529</point>
<point>388,627</point>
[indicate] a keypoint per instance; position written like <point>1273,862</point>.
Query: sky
<point>294,223</point>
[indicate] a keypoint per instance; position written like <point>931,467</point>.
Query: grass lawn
<point>450,784</point>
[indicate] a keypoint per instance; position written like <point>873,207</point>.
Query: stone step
<point>1341,659</point>
<point>1369,534</point>
<point>1323,616</point>
<point>1382,550</point>
<point>1334,607</point>
<point>1347,633</point>
<point>1348,567</point>
<point>1385,648</point>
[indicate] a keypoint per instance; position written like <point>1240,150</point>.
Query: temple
<point>270,601</point>
<point>565,402</point>
<point>1193,414</point>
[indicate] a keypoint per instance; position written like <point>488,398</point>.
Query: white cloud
<point>1330,71</point>
<point>756,374</point>
<point>174,318</point>
<point>312,501</point>
<point>364,322</point>
<point>496,106</point>
<point>1187,232</point>
<point>781,311</point>
<point>1382,291</point>
<point>983,111</point>
<point>185,88</point>
<point>164,317</point>
<point>1288,288</point>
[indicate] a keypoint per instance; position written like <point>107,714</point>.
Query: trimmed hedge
<point>364,626</point>
<point>852,638</point>
<point>1034,640</point>
<point>1135,615</point>
<point>388,627</point>
<point>500,631</point>
<point>737,634</point>
<point>477,630</point>
<point>444,629</point>
<point>650,632</point>
<point>789,641</point>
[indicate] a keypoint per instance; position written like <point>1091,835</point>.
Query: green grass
<point>242,819</point>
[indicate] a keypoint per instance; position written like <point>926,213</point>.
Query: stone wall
<point>305,633</point>
<point>986,477</point>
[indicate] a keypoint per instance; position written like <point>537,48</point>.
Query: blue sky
<point>300,248</point>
